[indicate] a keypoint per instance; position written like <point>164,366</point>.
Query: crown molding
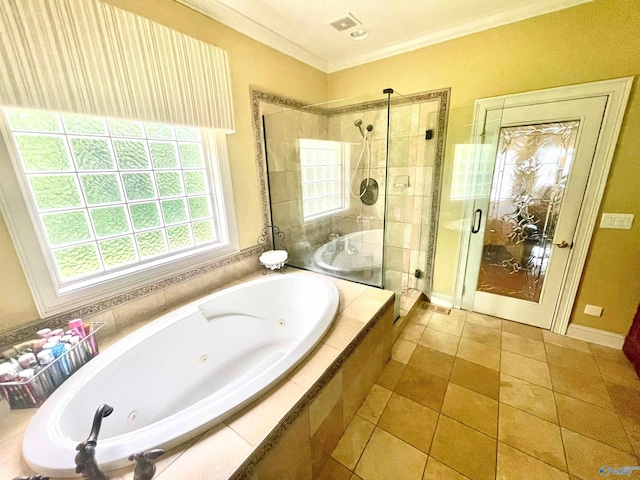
<point>245,25</point>
<point>523,12</point>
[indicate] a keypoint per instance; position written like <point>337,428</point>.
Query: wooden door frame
<point>617,91</point>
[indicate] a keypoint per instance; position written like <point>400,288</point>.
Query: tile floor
<point>470,396</point>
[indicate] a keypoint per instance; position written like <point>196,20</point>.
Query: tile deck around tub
<point>227,448</point>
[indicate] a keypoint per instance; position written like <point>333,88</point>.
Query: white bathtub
<point>183,373</point>
<point>354,252</point>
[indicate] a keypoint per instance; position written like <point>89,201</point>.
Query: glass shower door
<point>316,158</point>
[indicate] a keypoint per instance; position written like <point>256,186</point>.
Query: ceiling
<point>302,29</point>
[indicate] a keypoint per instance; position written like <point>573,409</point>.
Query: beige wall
<point>252,64</point>
<point>595,41</point>
<point>590,42</point>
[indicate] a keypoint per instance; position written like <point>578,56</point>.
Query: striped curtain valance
<point>87,57</point>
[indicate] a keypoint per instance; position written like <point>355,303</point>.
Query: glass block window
<point>112,193</point>
<point>472,171</point>
<point>324,166</point>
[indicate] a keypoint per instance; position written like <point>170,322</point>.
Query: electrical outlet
<point>593,310</point>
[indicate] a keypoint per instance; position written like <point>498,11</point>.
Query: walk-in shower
<point>354,184</point>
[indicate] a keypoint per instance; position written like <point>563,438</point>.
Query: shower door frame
<point>617,91</point>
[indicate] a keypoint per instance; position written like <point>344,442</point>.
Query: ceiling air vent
<point>345,22</point>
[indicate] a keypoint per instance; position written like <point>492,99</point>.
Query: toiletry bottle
<point>73,353</point>
<point>88,329</point>
<point>46,359</point>
<point>9,371</point>
<point>43,380</point>
<point>31,393</point>
<point>27,360</point>
<point>80,352</point>
<point>58,332</point>
<point>37,344</point>
<point>59,350</point>
<point>44,333</point>
<point>77,327</point>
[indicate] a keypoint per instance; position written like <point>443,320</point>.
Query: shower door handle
<point>475,224</point>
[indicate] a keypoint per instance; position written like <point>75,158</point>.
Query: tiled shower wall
<point>410,155</point>
<point>283,128</point>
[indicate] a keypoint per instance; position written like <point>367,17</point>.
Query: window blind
<point>84,56</point>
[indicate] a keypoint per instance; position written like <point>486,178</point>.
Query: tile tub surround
<point>468,396</point>
<point>305,413</point>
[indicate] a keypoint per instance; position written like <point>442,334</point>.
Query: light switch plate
<point>617,220</point>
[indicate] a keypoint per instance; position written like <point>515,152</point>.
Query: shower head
<point>358,123</point>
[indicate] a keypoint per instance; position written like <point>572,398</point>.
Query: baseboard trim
<point>595,335</point>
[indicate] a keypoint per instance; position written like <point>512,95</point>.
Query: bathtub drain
<point>204,358</point>
<point>281,323</point>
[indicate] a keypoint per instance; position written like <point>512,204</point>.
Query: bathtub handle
<point>145,468</point>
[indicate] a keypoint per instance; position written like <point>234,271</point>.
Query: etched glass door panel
<point>532,166</point>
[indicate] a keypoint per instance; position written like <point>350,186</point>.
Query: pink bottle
<point>77,327</point>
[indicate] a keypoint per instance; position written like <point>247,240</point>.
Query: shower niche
<point>354,184</point>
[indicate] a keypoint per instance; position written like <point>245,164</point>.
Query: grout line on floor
<point>375,425</point>
<point>501,406</point>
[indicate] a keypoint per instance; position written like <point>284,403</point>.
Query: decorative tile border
<point>26,332</point>
<point>248,467</point>
<point>443,112</point>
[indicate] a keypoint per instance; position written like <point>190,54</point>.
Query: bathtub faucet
<point>145,468</point>
<point>86,456</point>
<point>334,243</point>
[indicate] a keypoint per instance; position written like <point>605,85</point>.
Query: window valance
<point>84,56</point>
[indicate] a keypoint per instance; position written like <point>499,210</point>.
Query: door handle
<point>475,227</point>
<point>562,244</point>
